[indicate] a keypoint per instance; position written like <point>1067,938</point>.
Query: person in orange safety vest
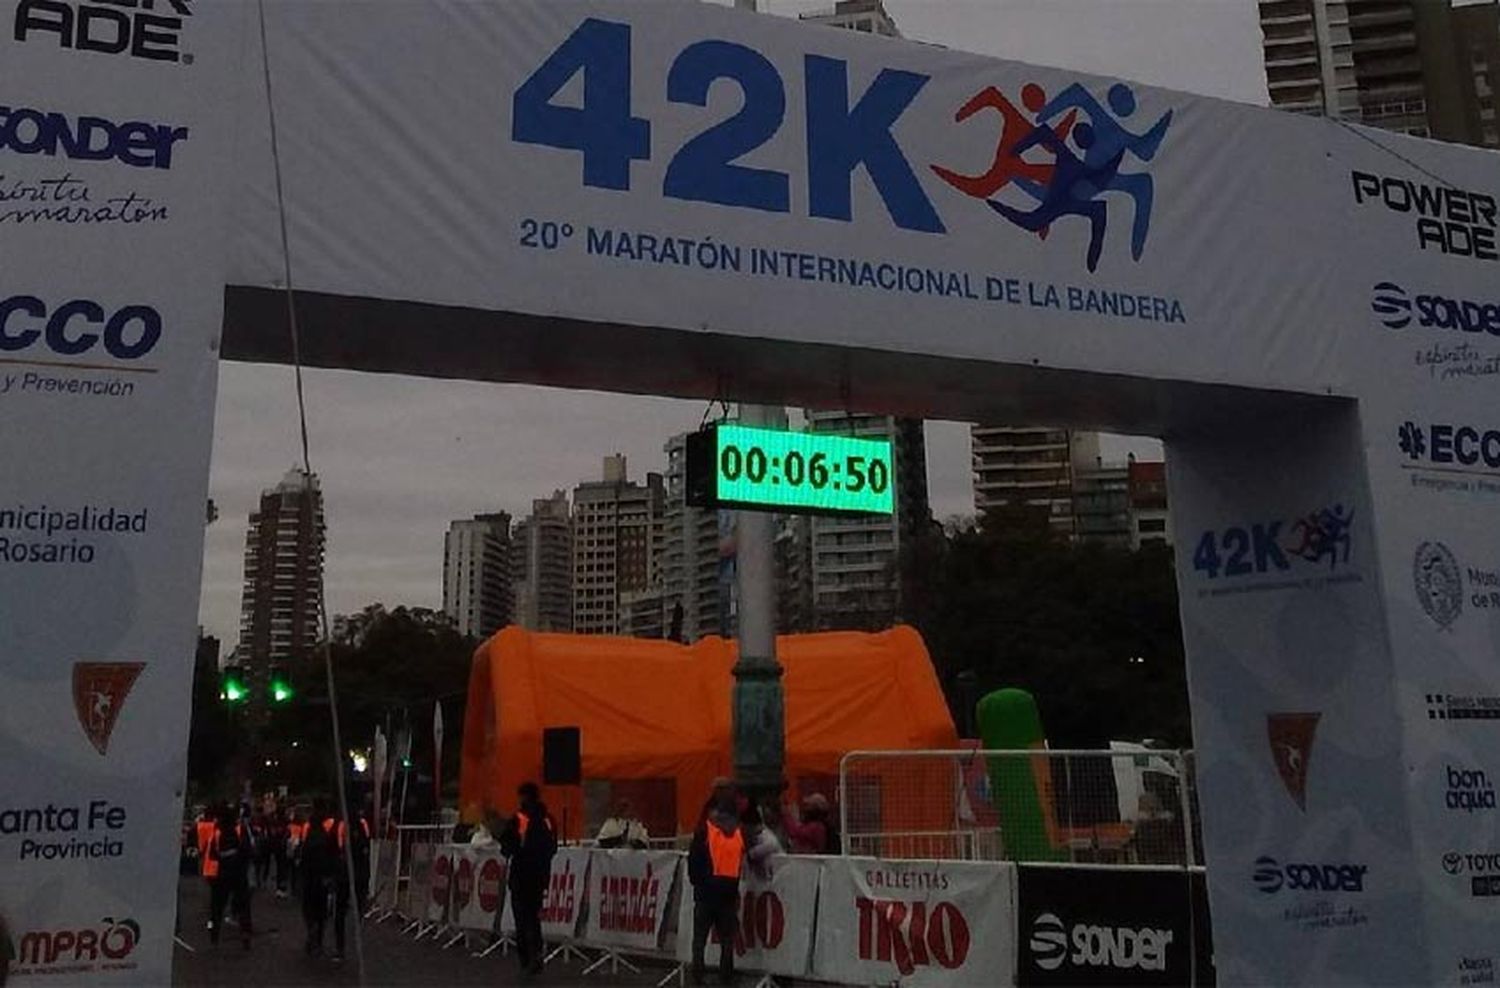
<point>715,861</point>
<point>529,841</point>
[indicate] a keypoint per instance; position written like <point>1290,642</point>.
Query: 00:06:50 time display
<point>854,474</point>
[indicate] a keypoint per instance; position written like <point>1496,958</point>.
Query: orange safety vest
<point>205,831</point>
<point>343,830</point>
<point>726,852</point>
<point>210,859</point>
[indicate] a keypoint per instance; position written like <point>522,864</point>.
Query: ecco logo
<point>1396,309</point>
<point>1443,443</point>
<point>1270,877</point>
<point>149,29</point>
<point>135,143</point>
<point>128,333</point>
<point>1122,948</point>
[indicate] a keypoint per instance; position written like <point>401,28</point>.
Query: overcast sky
<point>400,457</point>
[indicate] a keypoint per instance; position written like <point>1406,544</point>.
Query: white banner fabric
<point>478,888</point>
<point>564,907</point>
<point>419,883</point>
<point>440,886</point>
<point>112,162</point>
<point>777,920</point>
<point>915,923</point>
<point>629,892</point>
<point>383,873</point>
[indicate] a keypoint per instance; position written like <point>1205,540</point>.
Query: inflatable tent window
<point>654,719</point>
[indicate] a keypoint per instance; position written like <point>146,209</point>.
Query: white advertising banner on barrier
<point>112,119</point>
<point>777,919</point>
<point>478,888</point>
<point>567,892</point>
<point>629,892</point>
<point>419,886</point>
<point>915,923</point>
<point>440,885</point>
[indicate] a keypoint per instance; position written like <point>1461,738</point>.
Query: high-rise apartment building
<point>478,587</point>
<point>1031,468</point>
<point>618,537</point>
<point>691,553</point>
<point>283,585</point>
<point>869,16</point>
<point>855,572</point>
<point>1149,518</point>
<point>1420,67</point>
<point>542,565</point>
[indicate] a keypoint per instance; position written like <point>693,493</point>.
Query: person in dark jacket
<point>715,861</point>
<point>318,873</point>
<point>529,842</point>
<point>228,864</point>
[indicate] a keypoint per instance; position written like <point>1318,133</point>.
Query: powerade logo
<point>1270,876</point>
<point>1449,220</point>
<point>1452,446</point>
<point>135,142</point>
<point>1119,948</point>
<point>29,325</point>
<point>1397,309</point>
<point>145,29</point>
<point>1069,159</point>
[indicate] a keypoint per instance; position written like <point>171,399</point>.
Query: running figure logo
<point>1074,164</point>
<point>99,692</point>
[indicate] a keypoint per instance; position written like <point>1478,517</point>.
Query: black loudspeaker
<point>562,757</point>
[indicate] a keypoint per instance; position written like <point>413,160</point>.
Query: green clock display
<point>795,472</point>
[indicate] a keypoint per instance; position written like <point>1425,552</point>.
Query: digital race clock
<point>793,472</point>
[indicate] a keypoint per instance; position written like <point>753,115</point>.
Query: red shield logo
<point>1291,737</point>
<point>463,884</point>
<point>99,692</point>
<point>491,884</point>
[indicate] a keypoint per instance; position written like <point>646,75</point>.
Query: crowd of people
<point>238,849</point>
<point>304,854</point>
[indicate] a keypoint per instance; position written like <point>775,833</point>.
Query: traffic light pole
<point>758,704</point>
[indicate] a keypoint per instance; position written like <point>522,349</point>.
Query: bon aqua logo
<point>1065,166</point>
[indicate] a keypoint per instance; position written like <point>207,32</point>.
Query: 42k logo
<point>1322,536</point>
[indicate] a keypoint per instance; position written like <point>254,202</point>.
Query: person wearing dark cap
<point>715,861</point>
<point>529,842</point>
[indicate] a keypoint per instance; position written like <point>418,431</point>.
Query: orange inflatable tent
<point>654,717</point>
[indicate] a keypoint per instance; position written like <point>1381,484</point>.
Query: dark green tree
<point>1092,631</point>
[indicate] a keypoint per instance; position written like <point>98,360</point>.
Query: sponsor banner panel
<point>915,922</point>
<point>440,885</point>
<point>1109,926</point>
<point>777,920</point>
<point>111,286</point>
<point>871,189</point>
<point>1295,708</point>
<point>478,888</point>
<point>563,909</point>
<point>629,895</point>
<point>419,887</point>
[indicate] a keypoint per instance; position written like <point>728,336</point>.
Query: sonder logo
<point>146,29</point>
<point>1270,876</point>
<point>135,143</point>
<point>1396,309</point>
<point>1120,948</point>
<point>1392,305</point>
<point>1049,942</point>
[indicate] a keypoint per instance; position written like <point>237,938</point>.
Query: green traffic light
<point>281,691</point>
<point>233,691</point>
